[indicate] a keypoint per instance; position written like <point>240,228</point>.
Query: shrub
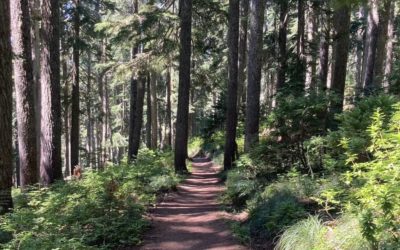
<point>274,214</point>
<point>102,211</point>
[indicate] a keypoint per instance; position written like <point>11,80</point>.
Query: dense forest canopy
<point>104,104</point>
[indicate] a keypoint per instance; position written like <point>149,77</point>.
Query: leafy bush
<point>274,214</point>
<point>374,185</point>
<point>103,210</point>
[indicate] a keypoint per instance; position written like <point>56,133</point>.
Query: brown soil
<point>191,218</point>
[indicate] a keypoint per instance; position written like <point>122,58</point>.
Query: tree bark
<point>181,137</point>
<point>369,84</point>
<point>283,22</point>
<point>300,29</point>
<point>389,50</point>
<point>154,116</point>
<point>67,124</point>
<point>168,121</point>
<point>231,100</point>
<point>254,73</point>
<point>312,33</point>
<point>24,91</point>
<point>148,113</point>
<point>90,133</point>
<point>341,24</point>
<point>36,49</point>
<point>324,51</point>
<point>6,167</point>
<point>75,108</point>
<point>138,117</point>
<point>384,16</point>
<point>242,51</point>
<point>50,162</point>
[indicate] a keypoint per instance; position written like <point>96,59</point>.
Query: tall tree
<point>75,109</point>
<point>369,84</point>
<point>168,119</point>
<point>384,16</point>
<point>231,99</point>
<point>254,73</point>
<point>282,40</point>
<point>242,50</point>
<point>148,113</point>
<point>50,162</point>
<point>154,122</point>
<point>6,167</point>
<point>24,91</point>
<point>325,24</point>
<point>181,137</point>
<point>136,104</point>
<point>389,49</point>
<point>341,39</point>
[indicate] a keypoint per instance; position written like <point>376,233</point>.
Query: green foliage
<point>375,184</point>
<point>305,234</point>
<point>277,212</point>
<point>103,210</point>
<point>312,233</point>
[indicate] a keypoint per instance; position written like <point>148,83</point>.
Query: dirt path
<point>191,217</point>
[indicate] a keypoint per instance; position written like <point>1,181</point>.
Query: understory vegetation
<point>334,190</point>
<point>103,210</point>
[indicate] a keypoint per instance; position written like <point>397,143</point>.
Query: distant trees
<point>231,114</point>
<point>254,73</point>
<point>182,120</point>
<point>24,92</point>
<point>6,167</point>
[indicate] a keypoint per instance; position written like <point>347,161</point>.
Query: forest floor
<point>191,217</point>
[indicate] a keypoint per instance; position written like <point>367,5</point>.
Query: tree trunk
<point>36,16</point>
<point>6,167</point>
<point>254,73</point>
<point>282,68</point>
<point>24,91</point>
<point>154,122</point>
<point>369,84</point>
<point>75,110</point>
<point>300,29</point>
<point>341,24</point>
<point>50,162</point>
<point>384,16</point>
<point>66,111</point>
<point>389,50</point>
<point>148,113</point>
<point>312,32</point>
<point>359,55</point>
<point>168,119</point>
<point>181,137</point>
<point>138,117</point>
<point>242,51</point>
<point>90,134</point>
<point>231,100</point>
<point>300,43</point>
<point>324,51</point>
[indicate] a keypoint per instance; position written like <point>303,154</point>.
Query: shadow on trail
<point>190,218</point>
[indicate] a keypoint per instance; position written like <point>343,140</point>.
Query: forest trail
<point>191,218</point>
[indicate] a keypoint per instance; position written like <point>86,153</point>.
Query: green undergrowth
<point>334,190</point>
<point>103,210</point>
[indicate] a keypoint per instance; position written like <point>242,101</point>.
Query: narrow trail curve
<point>191,218</point>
